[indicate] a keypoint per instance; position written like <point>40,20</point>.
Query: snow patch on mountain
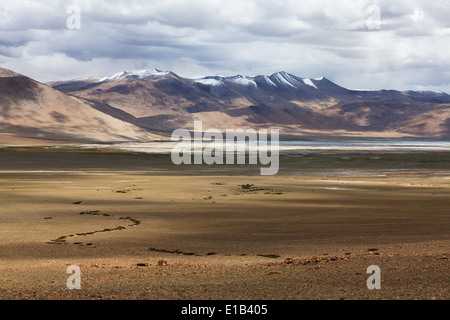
<point>92,79</point>
<point>276,80</point>
<point>136,75</point>
<point>216,81</point>
<point>209,82</point>
<point>309,82</point>
<point>244,81</point>
<point>426,92</point>
<point>285,79</point>
<point>270,82</point>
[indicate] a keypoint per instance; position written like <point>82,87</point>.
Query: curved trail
<point>63,239</point>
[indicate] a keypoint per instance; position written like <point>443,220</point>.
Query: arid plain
<point>309,232</point>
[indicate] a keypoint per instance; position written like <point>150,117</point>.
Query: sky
<point>358,44</point>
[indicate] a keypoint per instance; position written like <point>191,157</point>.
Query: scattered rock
<point>173,251</point>
<point>143,264</point>
<point>314,260</point>
<point>92,213</point>
<point>274,272</point>
<point>251,188</point>
<point>272,256</point>
<point>162,263</point>
<point>61,240</point>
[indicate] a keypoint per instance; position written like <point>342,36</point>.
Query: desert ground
<point>141,228</point>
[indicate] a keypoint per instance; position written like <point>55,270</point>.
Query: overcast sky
<point>343,40</point>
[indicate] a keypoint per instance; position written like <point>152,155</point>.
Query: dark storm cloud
<point>202,37</point>
<point>14,39</point>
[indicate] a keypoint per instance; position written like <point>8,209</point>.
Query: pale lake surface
<point>292,146</point>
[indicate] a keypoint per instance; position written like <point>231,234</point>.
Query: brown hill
<point>29,109</point>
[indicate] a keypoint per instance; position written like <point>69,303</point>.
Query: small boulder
<point>162,263</point>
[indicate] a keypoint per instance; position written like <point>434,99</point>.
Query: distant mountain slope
<point>29,109</point>
<point>152,94</point>
<point>165,101</point>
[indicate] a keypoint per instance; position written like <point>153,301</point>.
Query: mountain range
<point>149,104</point>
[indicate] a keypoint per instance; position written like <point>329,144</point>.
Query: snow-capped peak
<point>219,80</point>
<point>429,92</point>
<point>279,79</point>
<point>210,81</point>
<point>270,82</point>
<point>137,75</point>
<point>286,79</point>
<point>245,81</point>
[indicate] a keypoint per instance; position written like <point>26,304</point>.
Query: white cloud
<point>191,37</point>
